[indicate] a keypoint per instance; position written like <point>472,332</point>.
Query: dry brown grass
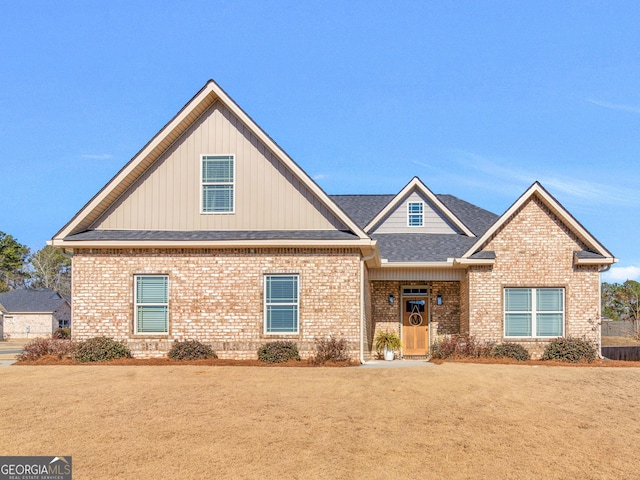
<point>447,421</point>
<point>620,341</point>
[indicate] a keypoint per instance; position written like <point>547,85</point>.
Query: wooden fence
<point>622,353</point>
<point>618,328</point>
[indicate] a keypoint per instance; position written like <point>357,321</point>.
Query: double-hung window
<point>533,312</point>
<point>151,304</point>
<point>281,302</point>
<point>218,185</point>
<point>415,214</point>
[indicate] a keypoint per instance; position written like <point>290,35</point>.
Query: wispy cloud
<point>621,274</point>
<point>614,106</point>
<point>320,176</point>
<point>502,176</point>
<point>97,156</point>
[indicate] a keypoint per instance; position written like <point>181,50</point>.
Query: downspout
<point>362,305</point>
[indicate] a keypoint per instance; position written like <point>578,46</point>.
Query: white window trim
<point>265,305</point>
<point>409,214</point>
<point>203,184</point>
<point>135,304</point>
<point>534,313</point>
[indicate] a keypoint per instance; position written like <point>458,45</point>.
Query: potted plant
<point>388,342</point>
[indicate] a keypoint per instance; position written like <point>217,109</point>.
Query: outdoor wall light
<point>439,299</point>
<point>391,299</point>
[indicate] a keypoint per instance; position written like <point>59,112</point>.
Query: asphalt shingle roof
<point>27,300</point>
<point>363,208</point>
<point>422,247</point>
<point>213,235</point>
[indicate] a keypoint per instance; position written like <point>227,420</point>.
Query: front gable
<point>535,227</point>
<point>417,210</point>
<point>158,198</point>
<point>267,195</point>
<point>415,214</point>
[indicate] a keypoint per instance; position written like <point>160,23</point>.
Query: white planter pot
<point>388,354</point>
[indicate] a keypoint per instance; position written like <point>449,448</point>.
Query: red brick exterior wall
<point>216,296</point>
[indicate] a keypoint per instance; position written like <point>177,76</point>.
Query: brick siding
<point>216,296</point>
<point>533,249</point>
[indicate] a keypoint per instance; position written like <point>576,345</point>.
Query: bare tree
<point>51,268</point>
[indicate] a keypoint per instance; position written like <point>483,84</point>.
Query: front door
<point>415,326</point>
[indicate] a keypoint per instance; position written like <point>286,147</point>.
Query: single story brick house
<point>32,313</point>
<point>212,232</point>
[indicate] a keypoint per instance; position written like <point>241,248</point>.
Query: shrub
<point>100,349</point>
<point>191,350</point>
<point>570,349</point>
<point>278,352</point>
<point>460,346</point>
<point>46,346</point>
<point>510,350</point>
<point>62,333</point>
<point>331,349</point>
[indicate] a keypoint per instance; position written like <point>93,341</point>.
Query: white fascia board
<point>364,244</point>
<point>387,264</point>
<point>594,261</point>
<point>474,261</point>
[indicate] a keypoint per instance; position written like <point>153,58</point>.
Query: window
<point>533,312</point>
<point>415,214</point>
<point>217,183</point>
<point>281,303</point>
<point>152,304</point>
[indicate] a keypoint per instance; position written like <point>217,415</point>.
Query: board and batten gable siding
<point>267,195</point>
<point>433,220</point>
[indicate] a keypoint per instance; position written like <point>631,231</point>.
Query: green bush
<point>41,347</point>
<point>460,346</point>
<point>100,349</point>
<point>278,352</point>
<point>62,333</point>
<point>510,350</point>
<point>330,349</point>
<point>191,350</point>
<point>570,349</point>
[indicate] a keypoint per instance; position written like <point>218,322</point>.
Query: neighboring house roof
<point>31,301</point>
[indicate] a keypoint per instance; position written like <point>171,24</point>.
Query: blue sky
<point>479,99</point>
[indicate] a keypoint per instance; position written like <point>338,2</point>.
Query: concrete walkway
<point>396,364</point>
<point>9,349</point>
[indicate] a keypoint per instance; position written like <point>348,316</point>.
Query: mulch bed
<point>216,362</point>
<point>212,362</point>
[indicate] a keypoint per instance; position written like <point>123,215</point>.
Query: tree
<point>13,256</point>
<point>51,268</point>
<point>620,302</point>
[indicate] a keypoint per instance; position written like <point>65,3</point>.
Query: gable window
<point>218,183</point>
<point>151,304</point>
<point>415,214</point>
<point>533,312</point>
<point>281,303</point>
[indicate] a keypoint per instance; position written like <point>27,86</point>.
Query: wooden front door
<point>415,326</point>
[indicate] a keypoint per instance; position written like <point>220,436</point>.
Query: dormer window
<point>218,183</point>
<point>415,214</point>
